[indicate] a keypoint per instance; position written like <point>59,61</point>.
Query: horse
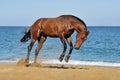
<point>59,27</point>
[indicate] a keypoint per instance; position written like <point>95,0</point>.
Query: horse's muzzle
<point>77,48</point>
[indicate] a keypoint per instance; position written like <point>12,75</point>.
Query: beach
<point>58,72</point>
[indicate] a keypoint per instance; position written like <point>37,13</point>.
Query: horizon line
<point>30,26</point>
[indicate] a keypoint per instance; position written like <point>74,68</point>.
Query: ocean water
<point>101,48</point>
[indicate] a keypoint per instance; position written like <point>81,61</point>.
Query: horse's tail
<point>26,37</point>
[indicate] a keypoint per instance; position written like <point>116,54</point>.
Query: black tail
<point>26,37</point>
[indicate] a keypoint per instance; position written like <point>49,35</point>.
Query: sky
<point>92,12</point>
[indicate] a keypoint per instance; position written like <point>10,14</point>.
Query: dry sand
<point>57,72</point>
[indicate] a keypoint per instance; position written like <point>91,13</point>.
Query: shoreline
<point>71,62</point>
<point>58,72</point>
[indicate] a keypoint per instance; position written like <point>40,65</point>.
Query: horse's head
<point>80,38</point>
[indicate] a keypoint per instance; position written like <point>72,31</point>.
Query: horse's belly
<point>51,34</point>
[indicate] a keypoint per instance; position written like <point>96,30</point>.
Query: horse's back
<point>57,26</point>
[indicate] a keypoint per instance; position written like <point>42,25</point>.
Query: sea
<point>102,47</point>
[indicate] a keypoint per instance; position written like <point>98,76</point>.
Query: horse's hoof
<point>27,65</point>
<point>67,58</point>
<point>60,59</point>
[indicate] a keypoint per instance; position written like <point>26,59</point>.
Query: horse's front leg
<point>64,50</point>
<point>40,43</point>
<point>71,48</point>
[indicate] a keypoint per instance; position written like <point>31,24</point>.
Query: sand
<point>57,72</point>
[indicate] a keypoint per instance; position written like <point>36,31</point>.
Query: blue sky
<point>92,12</point>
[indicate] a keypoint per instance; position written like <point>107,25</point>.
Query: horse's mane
<point>75,18</point>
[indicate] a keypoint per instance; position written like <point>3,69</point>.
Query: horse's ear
<point>88,32</point>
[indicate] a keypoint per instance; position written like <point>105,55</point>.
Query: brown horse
<point>62,27</point>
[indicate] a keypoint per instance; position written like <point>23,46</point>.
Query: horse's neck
<point>81,29</point>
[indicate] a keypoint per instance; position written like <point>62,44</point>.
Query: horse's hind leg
<point>41,40</point>
<point>71,48</point>
<point>29,50</point>
<point>64,50</point>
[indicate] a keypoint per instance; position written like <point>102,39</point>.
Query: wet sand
<point>57,72</point>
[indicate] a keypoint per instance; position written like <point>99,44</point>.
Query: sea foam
<point>71,62</point>
<point>82,63</point>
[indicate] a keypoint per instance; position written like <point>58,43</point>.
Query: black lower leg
<point>69,54</point>
<point>63,53</point>
<point>61,57</point>
<point>67,58</point>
